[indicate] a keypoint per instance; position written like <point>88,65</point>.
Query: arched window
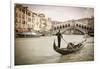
<point>87,28</point>
<point>54,28</point>
<point>68,25</point>
<point>77,25</point>
<point>57,27</point>
<point>80,26</point>
<point>84,27</point>
<point>63,26</point>
<point>60,27</point>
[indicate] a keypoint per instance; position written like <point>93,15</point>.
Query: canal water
<point>39,50</point>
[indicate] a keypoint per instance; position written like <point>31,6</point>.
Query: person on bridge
<point>59,36</point>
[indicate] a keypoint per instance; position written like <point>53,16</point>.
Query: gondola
<point>69,49</point>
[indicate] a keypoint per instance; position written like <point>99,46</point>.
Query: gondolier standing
<point>59,35</point>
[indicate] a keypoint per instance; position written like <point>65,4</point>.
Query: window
<point>23,16</point>
<point>29,19</point>
<point>29,13</point>
<point>20,9</point>
<point>23,10</point>
<point>23,22</point>
<point>34,14</point>
<point>16,20</point>
<point>19,20</point>
<point>19,15</point>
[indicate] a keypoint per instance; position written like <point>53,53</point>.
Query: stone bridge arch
<point>77,27</point>
<point>82,31</point>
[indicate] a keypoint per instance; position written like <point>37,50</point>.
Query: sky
<point>62,13</point>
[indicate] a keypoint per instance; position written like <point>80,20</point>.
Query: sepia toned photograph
<point>46,34</point>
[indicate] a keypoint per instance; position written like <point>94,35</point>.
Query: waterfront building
<point>29,21</point>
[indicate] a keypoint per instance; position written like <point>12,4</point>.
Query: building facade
<point>30,21</point>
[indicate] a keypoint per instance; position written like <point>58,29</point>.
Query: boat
<point>29,34</point>
<point>69,49</point>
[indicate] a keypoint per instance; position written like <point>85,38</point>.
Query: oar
<point>64,40</point>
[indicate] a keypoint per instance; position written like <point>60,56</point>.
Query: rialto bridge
<point>73,28</point>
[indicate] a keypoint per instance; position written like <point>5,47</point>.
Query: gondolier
<point>59,36</point>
